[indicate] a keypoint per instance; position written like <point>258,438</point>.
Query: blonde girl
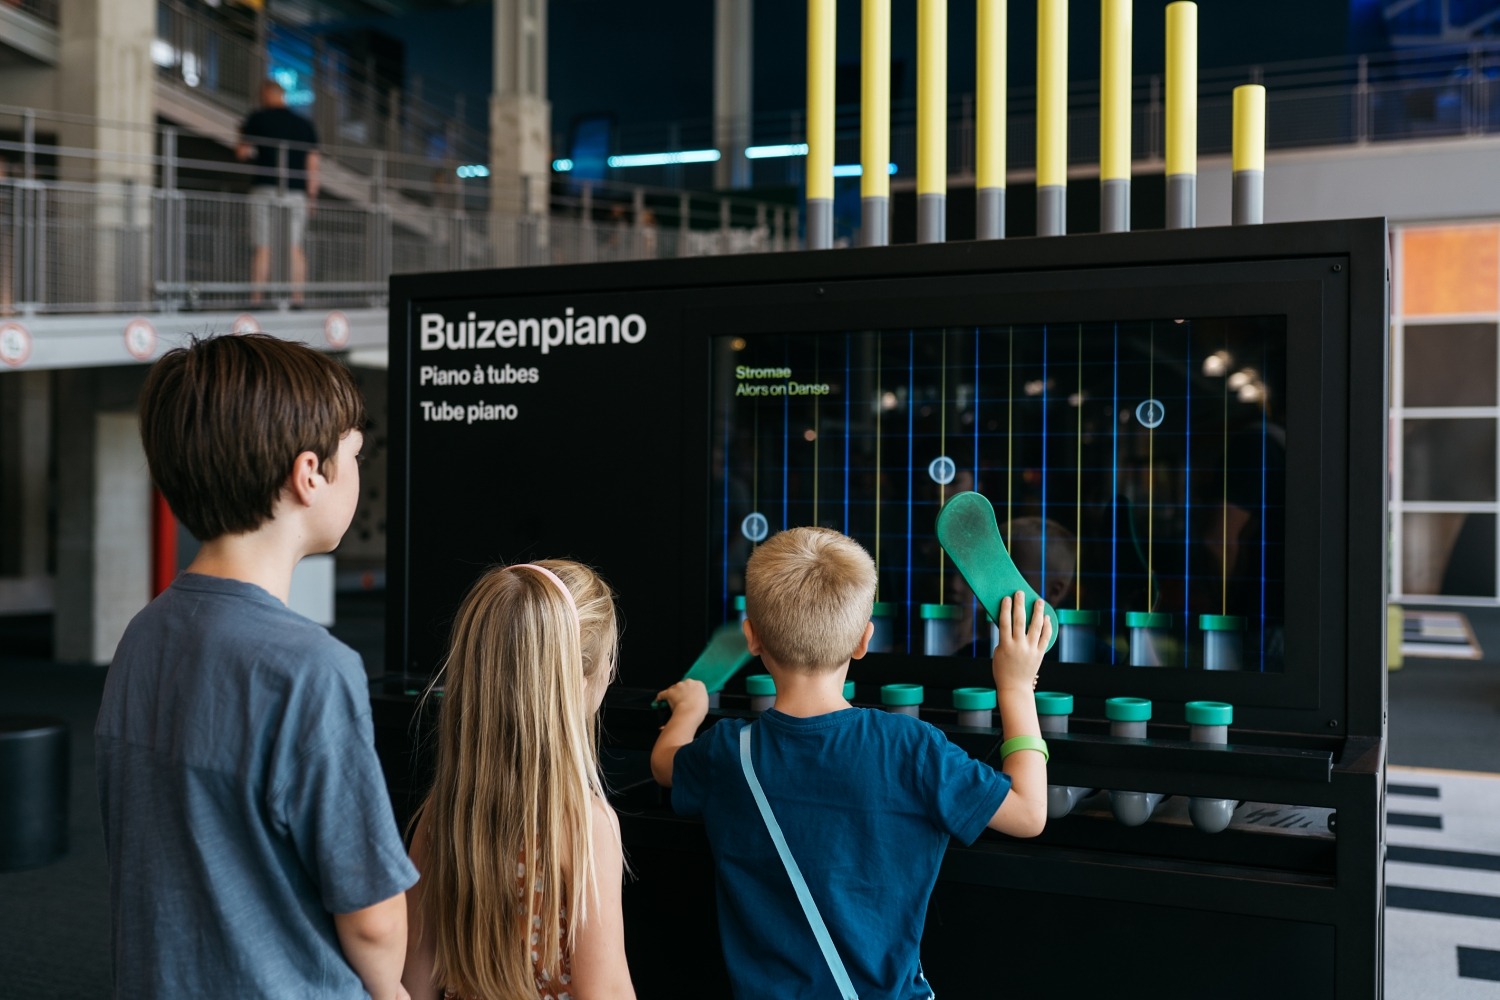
<point>519,853</point>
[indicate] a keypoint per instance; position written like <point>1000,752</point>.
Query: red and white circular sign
<point>140,339</point>
<point>336,329</point>
<point>15,344</point>
<point>244,323</point>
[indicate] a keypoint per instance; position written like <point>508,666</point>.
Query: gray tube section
<point>932,218</point>
<point>1249,199</point>
<point>875,222</point>
<point>819,223</point>
<point>1114,208</point>
<point>990,223</point>
<point>1182,201</point>
<point>1052,210</point>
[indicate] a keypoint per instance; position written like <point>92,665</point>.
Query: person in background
<point>281,145</point>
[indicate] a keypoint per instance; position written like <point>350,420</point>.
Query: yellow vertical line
<point>1078,484</point>
<point>942,450</point>
<point>1224,553</point>
<point>817,369</point>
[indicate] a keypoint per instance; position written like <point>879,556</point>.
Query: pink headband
<point>567,594</point>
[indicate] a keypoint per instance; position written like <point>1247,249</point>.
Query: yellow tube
<point>932,97</point>
<point>1182,88</point>
<point>875,99</point>
<point>990,101</point>
<point>1114,97</point>
<point>1052,93</point>
<point>820,67</point>
<point>1249,127</point>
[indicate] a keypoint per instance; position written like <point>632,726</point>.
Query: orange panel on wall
<point>1448,270</point>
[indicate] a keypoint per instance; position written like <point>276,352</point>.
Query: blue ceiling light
<point>665,159</point>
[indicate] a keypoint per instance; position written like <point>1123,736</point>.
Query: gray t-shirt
<point>243,802</point>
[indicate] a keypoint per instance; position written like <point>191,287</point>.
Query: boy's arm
<point>374,942</point>
<point>689,703</point>
<point>1018,656</point>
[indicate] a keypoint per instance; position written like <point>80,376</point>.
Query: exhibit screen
<point>1137,470</point>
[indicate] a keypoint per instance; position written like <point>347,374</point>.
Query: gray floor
<point>54,924</point>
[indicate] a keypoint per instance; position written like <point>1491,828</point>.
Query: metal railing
<point>101,230</point>
<point>1432,92</point>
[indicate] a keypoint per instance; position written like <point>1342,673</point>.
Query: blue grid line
<point>911,409</point>
<point>786,449</point>
<point>1265,367</point>
<point>973,600</point>
<point>728,410</point>
<point>848,395</point>
<point>1114,501</point>
<point>1042,571</point>
<point>1187,517</point>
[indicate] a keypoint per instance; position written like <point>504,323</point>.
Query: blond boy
<point>866,800</point>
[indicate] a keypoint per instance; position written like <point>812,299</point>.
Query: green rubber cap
<point>1053,703</point>
<point>1221,623</point>
<point>1127,709</point>
<point>848,690</point>
<point>973,699</point>
<point>760,684</point>
<point>883,609</point>
<point>1147,619</point>
<point>941,612</point>
<point>901,694</point>
<point>1074,616</point>
<point>1209,713</point>
<point>738,603</point>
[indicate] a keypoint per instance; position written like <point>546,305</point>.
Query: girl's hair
<point>517,771</point>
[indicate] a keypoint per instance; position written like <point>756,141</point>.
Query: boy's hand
<point>690,698</point>
<point>1018,655</point>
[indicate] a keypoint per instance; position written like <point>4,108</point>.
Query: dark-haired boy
<point>252,847</point>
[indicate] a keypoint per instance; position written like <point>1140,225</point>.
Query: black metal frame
<point>1313,736</point>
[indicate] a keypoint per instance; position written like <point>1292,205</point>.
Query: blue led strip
<point>1187,507</point>
<point>848,392</point>
<point>911,381</point>
<point>1042,571</point>
<point>1265,367</point>
<point>1114,498</point>
<point>973,600</point>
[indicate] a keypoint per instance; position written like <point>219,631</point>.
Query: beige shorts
<point>264,201</point>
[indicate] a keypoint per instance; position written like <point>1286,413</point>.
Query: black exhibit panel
<point>1183,437</point>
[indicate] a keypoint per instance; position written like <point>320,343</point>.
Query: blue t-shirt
<point>867,801</point>
<point>243,802</point>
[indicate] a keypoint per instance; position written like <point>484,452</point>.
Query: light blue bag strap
<point>809,908</point>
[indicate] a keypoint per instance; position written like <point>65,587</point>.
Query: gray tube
<point>875,222</point>
<point>932,218</point>
<point>1052,210</point>
<point>1134,808</point>
<point>1249,204</point>
<point>1182,201</point>
<point>1114,207</point>
<point>1210,815</point>
<point>990,223</point>
<point>819,223</point>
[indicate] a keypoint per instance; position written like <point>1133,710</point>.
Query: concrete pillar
<point>734,81</point>
<point>106,75</point>
<point>104,514</point>
<point>25,444</point>
<point>520,114</point>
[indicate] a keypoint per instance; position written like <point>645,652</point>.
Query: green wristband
<point>1015,743</point>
